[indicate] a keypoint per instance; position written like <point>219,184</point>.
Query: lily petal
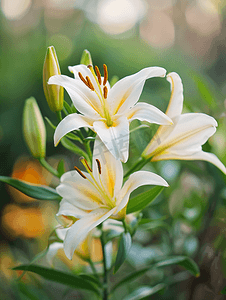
<point>68,209</point>
<point>189,132</point>
<point>111,168</point>
<point>175,105</point>
<point>69,123</point>
<point>84,100</point>
<point>200,155</point>
<point>126,92</point>
<point>52,251</point>
<point>79,191</point>
<point>147,112</point>
<point>79,230</point>
<point>135,180</point>
<point>115,137</point>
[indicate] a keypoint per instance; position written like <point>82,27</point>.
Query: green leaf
<point>91,278</point>
<point>124,247</point>
<point>73,148</point>
<point>144,292</point>
<point>223,292</point>
<point>183,261</point>
<point>71,280</point>
<point>67,107</point>
<point>142,200</point>
<point>61,168</point>
<point>40,192</point>
<point>86,58</point>
<point>113,80</point>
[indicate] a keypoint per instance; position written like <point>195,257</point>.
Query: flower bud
<point>34,128</point>
<point>54,93</point>
<point>86,58</point>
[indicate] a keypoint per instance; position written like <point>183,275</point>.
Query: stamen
<point>80,172</point>
<point>89,66</point>
<point>90,85</point>
<point>83,79</point>
<point>82,159</point>
<point>98,74</point>
<point>105,92</point>
<point>98,165</point>
<point>105,74</point>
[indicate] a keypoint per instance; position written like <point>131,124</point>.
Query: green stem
<point>138,165</point>
<point>47,166</point>
<point>59,116</point>
<point>105,283</point>
<point>93,269</point>
<point>88,150</point>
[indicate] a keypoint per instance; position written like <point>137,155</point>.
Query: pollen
<point>105,74</point>
<point>98,74</point>
<point>82,159</point>
<point>98,165</point>
<point>80,172</point>
<point>105,92</point>
<point>90,85</point>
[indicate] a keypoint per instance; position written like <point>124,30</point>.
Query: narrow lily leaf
<point>183,261</point>
<point>40,192</point>
<point>60,277</point>
<point>144,292</point>
<point>69,135</point>
<point>74,110</point>
<point>72,147</point>
<point>61,168</point>
<point>124,247</point>
<point>68,108</point>
<point>90,278</point>
<point>142,200</point>
<point>130,278</point>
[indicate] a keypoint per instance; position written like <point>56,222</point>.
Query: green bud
<point>34,128</point>
<point>86,58</point>
<point>54,93</point>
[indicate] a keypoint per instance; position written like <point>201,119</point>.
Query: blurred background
<point>187,37</point>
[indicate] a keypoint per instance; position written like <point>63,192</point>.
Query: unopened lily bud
<point>54,93</point>
<point>86,58</point>
<point>34,128</point>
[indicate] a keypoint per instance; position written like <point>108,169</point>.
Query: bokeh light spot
<point>15,9</point>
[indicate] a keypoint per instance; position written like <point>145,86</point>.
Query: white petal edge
<point>69,123</point>
<point>79,230</point>
<point>115,138</point>
<point>68,209</point>
<point>136,180</point>
<point>126,92</point>
<point>175,105</point>
<point>147,112</point>
<point>52,251</point>
<point>200,155</point>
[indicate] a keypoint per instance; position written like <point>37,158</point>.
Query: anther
<point>80,172</point>
<point>98,165</point>
<point>89,66</point>
<point>83,79</point>
<point>105,92</point>
<point>90,85</point>
<point>105,74</point>
<point>82,159</point>
<point>98,74</point>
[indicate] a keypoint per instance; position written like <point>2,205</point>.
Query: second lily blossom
<point>107,110</point>
<point>184,139</point>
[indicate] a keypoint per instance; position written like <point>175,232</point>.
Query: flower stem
<point>138,165</point>
<point>105,283</point>
<point>47,166</point>
<point>59,116</point>
<point>93,269</point>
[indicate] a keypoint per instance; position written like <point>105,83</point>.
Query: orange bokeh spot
<point>27,170</point>
<point>22,222</point>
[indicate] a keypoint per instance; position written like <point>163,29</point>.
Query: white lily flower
<point>184,139</point>
<point>107,111</point>
<point>91,197</point>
